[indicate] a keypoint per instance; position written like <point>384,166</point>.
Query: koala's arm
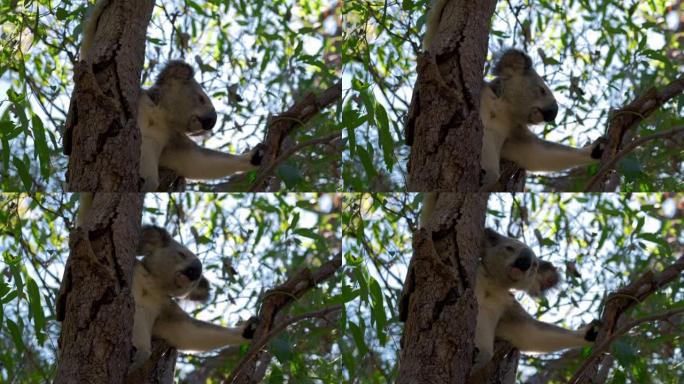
<point>429,201</point>
<point>151,150</point>
<point>90,27</point>
<point>531,335</point>
<point>190,160</point>
<point>432,25</point>
<point>187,333</point>
<point>492,141</point>
<point>535,154</point>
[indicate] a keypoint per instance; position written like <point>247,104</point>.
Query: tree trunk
<point>159,368</point>
<point>438,300</point>
<point>102,136</point>
<point>444,126</point>
<point>95,303</point>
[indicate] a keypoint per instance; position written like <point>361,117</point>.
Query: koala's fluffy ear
<point>511,63</point>
<point>491,237</point>
<point>152,238</point>
<point>547,277</point>
<point>175,70</point>
<point>200,292</point>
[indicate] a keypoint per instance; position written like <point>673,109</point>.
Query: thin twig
<point>291,151</point>
<point>256,348</point>
<point>605,344</point>
<point>626,150</point>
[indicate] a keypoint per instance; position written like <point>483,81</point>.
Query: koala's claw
<point>250,328</point>
<point>257,154</point>
<point>598,147</point>
<point>592,330</point>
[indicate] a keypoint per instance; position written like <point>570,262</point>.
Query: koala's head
<point>176,270</point>
<point>515,266</point>
<point>186,106</point>
<point>518,84</point>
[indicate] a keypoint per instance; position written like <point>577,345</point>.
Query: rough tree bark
<point>438,301</point>
<point>101,134</point>
<point>443,126</point>
<point>95,303</point>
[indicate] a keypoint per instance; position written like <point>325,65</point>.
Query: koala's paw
<point>257,154</point>
<point>250,328</point>
<point>591,330</point>
<point>598,147</point>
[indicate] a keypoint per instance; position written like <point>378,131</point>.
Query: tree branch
<point>282,125</point>
<point>605,344</point>
<point>630,115</point>
<point>265,173</point>
<point>625,151</point>
<point>275,301</point>
<point>256,346</point>
<point>618,303</point>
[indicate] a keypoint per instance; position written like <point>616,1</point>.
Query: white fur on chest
<point>493,113</point>
<point>492,301</point>
<point>151,121</point>
<point>148,300</point>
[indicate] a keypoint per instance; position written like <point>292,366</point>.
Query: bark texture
<point>443,125</point>
<point>503,367</point>
<point>159,368</point>
<point>101,134</point>
<point>438,301</point>
<point>95,303</point>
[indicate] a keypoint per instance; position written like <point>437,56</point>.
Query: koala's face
<point>530,99</point>
<point>515,265</point>
<point>187,107</point>
<point>177,271</point>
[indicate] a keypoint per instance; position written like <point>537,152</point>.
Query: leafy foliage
<point>599,243</point>
<point>254,59</point>
<point>247,243</point>
<point>596,57</point>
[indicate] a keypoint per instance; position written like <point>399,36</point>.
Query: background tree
<point>248,244</point>
<point>601,61</point>
<point>606,247</point>
<point>259,62</point>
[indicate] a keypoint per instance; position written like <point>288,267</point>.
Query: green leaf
<point>36,309</point>
<point>357,334</point>
<point>23,172</point>
<point>289,174</point>
<point>41,146</point>
<point>16,334</point>
<point>386,140</point>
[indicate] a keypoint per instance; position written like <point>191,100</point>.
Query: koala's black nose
<point>524,260</point>
<point>208,120</point>
<point>194,270</point>
<point>550,113</point>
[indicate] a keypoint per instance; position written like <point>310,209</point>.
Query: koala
<point>516,98</point>
<point>507,264</point>
<point>168,271</point>
<point>173,109</point>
